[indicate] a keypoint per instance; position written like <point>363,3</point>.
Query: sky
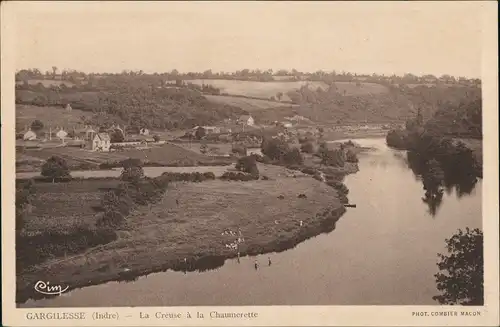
<point>359,37</point>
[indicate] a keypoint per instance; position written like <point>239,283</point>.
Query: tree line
<point>263,75</point>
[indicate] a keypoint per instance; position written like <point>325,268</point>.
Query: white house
<point>101,142</point>
<point>246,120</point>
<point>208,129</point>
<point>29,136</point>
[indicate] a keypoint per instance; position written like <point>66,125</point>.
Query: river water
<point>384,252</point>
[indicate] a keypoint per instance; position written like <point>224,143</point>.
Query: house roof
<point>103,136</point>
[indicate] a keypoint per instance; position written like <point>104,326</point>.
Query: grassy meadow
<point>247,104</point>
<point>163,155</point>
<point>263,90</point>
<point>55,116</point>
<point>186,223</point>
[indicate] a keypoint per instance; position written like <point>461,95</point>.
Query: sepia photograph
<point>184,154</point>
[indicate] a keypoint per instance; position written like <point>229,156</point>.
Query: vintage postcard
<point>249,163</point>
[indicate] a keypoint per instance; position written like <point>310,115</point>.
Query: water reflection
<point>440,177</point>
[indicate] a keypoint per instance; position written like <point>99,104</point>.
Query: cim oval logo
<point>46,288</point>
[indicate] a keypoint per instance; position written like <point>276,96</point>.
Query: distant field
<point>246,103</point>
<point>263,90</point>
<point>75,156</point>
<point>363,89</point>
<point>55,116</point>
<point>433,85</point>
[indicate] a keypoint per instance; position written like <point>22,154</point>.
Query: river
<point>384,252</point>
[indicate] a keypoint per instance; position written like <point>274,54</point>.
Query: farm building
<point>101,142</point>
<point>144,131</point>
<point>246,120</point>
<point>29,135</point>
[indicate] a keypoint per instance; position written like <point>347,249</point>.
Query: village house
<point>29,135</point>
<point>208,129</point>
<point>246,120</point>
<point>101,142</point>
<point>144,131</point>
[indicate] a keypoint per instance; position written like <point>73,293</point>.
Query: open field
<point>166,154</point>
<point>54,116</point>
<point>64,206</point>
<point>263,90</point>
<point>246,103</point>
<point>159,237</point>
<point>148,171</point>
<point>351,88</point>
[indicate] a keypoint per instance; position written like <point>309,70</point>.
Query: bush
<point>351,156</point>
<point>334,158</point>
<point>397,139</point>
<point>31,250</point>
<point>187,177</point>
<point>118,200</point>
<point>209,175</point>
<point>239,149</point>
<point>248,164</point>
<point>293,157</point>
<point>132,174</point>
<point>200,133</point>
<point>55,167</point>
<point>308,170</point>
<point>307,147</point>
<point>36,125</point>
<point>234,176</point>
<point>131,162</point>
<point>262,159</point>
<point>117,136</point>
<point>275,149</point>
<point>111,218</point>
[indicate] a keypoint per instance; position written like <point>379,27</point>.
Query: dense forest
<point>132,105</point>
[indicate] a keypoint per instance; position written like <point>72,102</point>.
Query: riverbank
<point>189,222</point>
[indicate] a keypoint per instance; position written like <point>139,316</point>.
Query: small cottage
<point>29,136</point>
<point>246,120</point>
<point>101,142</point>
